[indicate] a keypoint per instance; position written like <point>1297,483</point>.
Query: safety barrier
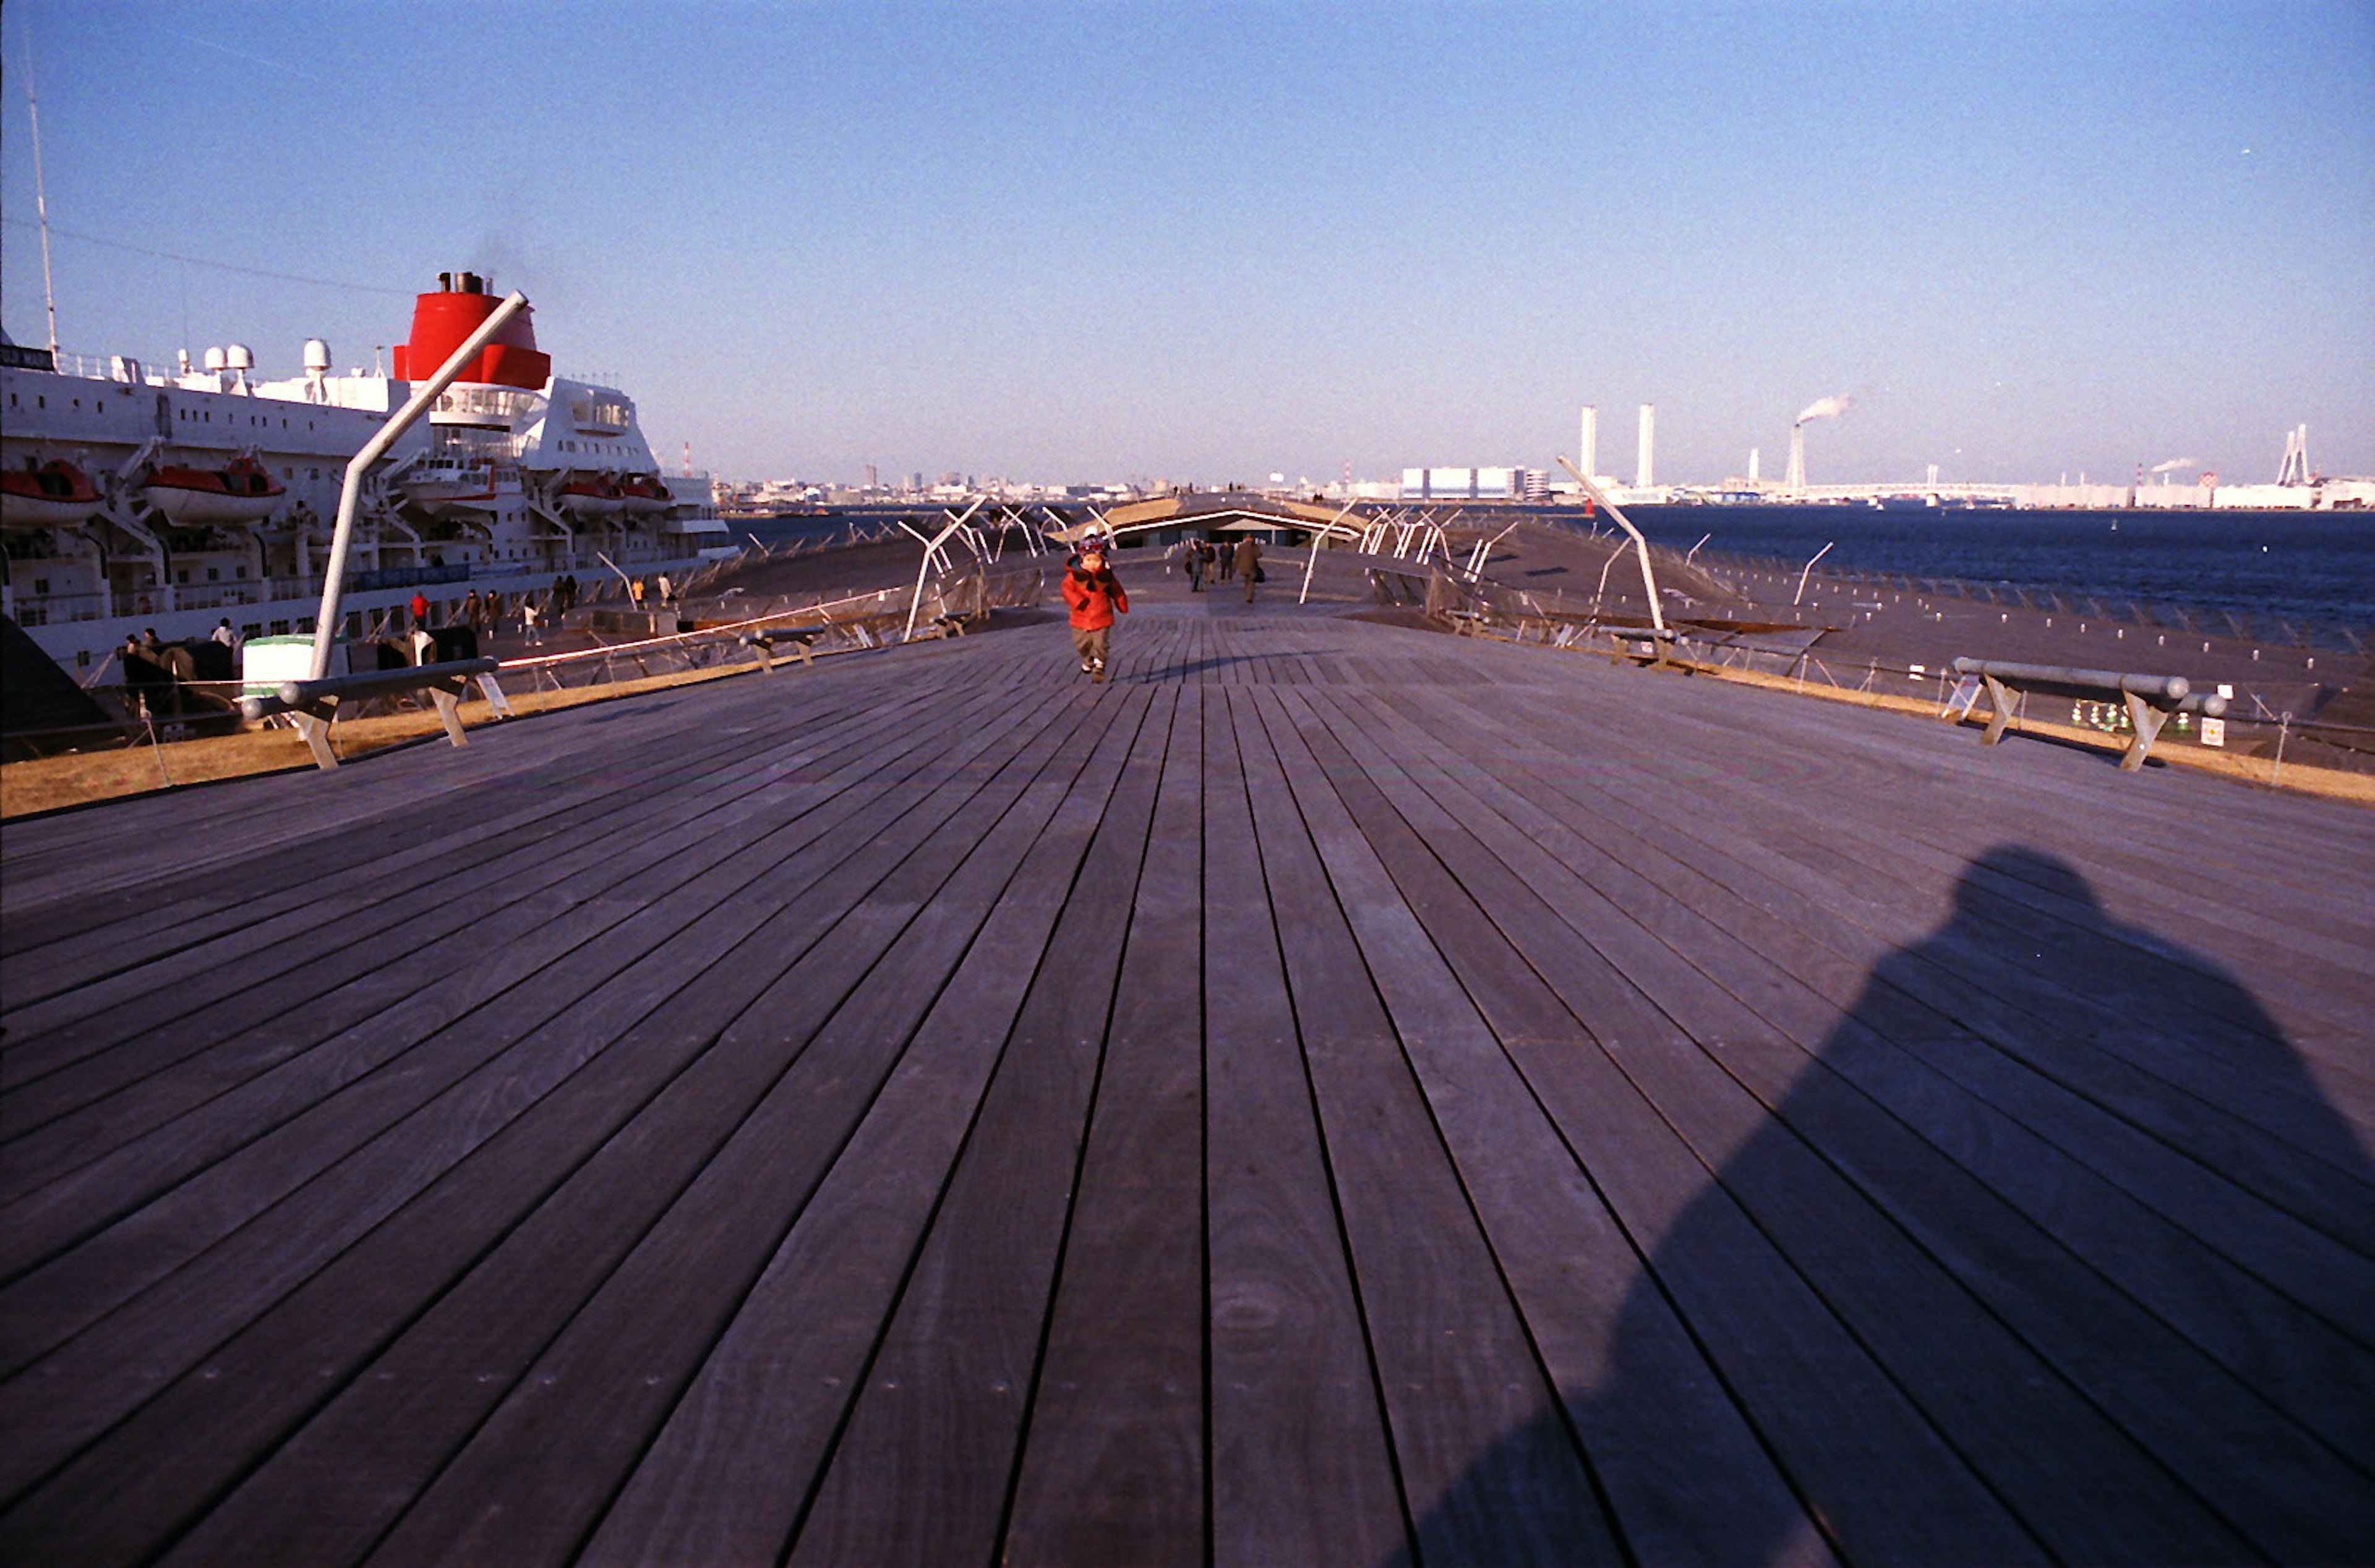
<point>315,703</point>
<point>2151,699</point>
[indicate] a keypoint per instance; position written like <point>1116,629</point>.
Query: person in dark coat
<point>1095,596</point>
<point>1250,554</point>
<point>1195,552</point>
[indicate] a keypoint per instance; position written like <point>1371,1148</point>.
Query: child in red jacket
<point>1095,596</point>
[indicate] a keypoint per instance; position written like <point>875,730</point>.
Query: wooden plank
<point>390,1009</point>
<point>2326,1382</point>
<point>1300,1467</point>
<point>1992,979</point>
<point>377,917</point>
<point>731,1472</point>
<point>924,1466</point>
<point>558,1348</point>
<point>164,941</point>
<point>1491,1470</point>
<point>1779,896</point>
<point>169,913</point>
<point>2065,1312</point>
<point>1839,1425</point>
<point>1112,1464</point>
<point>266,1261</point>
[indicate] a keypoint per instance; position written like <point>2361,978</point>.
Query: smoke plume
<point>1825,408</point>
<point>2174,463</point>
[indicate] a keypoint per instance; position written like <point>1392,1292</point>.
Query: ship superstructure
<point>140,497</point>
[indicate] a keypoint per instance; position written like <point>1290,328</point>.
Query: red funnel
<point>444,321</point>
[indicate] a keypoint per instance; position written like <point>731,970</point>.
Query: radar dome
<point>214,361</point>
<point>239,356</point>
<point>317,356</point>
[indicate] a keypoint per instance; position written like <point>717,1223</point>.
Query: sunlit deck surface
<point>1335,1094</point>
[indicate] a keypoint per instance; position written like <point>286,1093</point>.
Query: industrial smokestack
<point>1589,442</point>
<point>1644,475</point>
<point>1820,408</point>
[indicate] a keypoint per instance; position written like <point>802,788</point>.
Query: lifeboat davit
<point>242,491</point>
<point>448,486</point>
<point>53,495</point>
<point>593,497</point>
<point>645,495</point>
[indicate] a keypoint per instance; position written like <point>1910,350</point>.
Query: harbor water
<point>2291,566</point>
<point>2294,567</point>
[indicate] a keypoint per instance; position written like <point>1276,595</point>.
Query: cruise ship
<point>172,499</point>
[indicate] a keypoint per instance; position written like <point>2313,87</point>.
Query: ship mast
<point>41,199</point>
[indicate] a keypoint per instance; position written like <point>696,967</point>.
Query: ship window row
<point>41,401</point>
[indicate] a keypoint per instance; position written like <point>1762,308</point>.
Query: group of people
<point>484,613</point>
<point>1095,596</point>
<point>1242,560</point>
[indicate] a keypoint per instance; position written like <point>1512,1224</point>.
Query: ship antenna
<point>41,199</point>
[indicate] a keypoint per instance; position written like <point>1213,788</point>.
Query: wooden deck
<point>1335,1094</point>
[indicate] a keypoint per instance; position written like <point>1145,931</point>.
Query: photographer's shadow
<point>2057,1253</point>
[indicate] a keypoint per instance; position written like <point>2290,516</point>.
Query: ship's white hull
<point>472,497</point>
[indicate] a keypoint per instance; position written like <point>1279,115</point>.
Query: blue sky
<point>1067,241</point>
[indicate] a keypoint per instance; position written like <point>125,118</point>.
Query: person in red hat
<point>1095,596</point>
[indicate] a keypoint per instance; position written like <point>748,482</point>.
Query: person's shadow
<point>2059,1253</point>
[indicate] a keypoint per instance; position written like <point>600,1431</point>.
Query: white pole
<point>1640,545</point>
<point>41,200</point>
<point>1818,555</point>
<point>325,624</point>
<point>1313,559</point>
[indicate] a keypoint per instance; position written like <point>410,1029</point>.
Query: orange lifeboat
<point>50,496</point>
<point>243,491</point>
<point>596,495</point>
<point>645,495</point>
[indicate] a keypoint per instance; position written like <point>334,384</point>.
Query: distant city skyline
<point>1079,243</point>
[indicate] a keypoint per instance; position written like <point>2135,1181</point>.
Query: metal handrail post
<point>326,623</point>
<point>1648,577</point>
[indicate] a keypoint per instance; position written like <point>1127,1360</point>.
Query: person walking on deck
<point>1250,554</point>
<point>1197,550</point>
<point>1095,596</point>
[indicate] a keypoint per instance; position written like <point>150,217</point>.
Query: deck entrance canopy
<point>1222,512</point>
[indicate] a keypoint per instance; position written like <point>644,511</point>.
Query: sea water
<point>2293,566</point>
<point>2271,566</point>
